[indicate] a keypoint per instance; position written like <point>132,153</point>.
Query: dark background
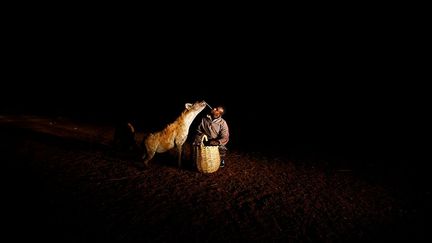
<point>313,83</point>
<point>337,87</point>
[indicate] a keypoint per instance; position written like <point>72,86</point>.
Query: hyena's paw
<point>146,164</point>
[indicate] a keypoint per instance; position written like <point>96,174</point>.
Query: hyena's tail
<point>124,136</point>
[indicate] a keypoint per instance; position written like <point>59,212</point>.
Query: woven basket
<point>206,158</point>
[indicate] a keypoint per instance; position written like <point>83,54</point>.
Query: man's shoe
<point>222,164</point>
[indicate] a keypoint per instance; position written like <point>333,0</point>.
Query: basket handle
<point>202,139</point>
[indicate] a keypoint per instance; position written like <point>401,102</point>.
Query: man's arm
<point>224,134</point>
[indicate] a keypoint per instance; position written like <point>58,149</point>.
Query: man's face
<point>217,112</point>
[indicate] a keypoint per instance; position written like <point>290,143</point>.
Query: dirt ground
<point>64,182</point>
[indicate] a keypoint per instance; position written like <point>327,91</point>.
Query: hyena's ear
<point>188,106</point>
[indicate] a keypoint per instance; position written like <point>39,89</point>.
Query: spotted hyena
<point>175,134</point>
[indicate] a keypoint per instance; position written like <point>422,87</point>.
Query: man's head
<point>217,111</point>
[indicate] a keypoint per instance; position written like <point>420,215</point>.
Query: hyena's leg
<point>147,157</point>
<point>179,151</point>
<point>150,152</point>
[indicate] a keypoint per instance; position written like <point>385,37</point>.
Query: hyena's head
<point>195,108</point>
<point>192,110</point>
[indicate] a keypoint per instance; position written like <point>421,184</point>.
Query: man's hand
<point>214,142</point>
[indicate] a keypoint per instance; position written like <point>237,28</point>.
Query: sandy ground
<point>66,183</point>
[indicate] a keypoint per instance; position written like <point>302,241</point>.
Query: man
<point>216,129</point>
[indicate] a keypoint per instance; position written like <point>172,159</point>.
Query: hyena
<point>175,134</point>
